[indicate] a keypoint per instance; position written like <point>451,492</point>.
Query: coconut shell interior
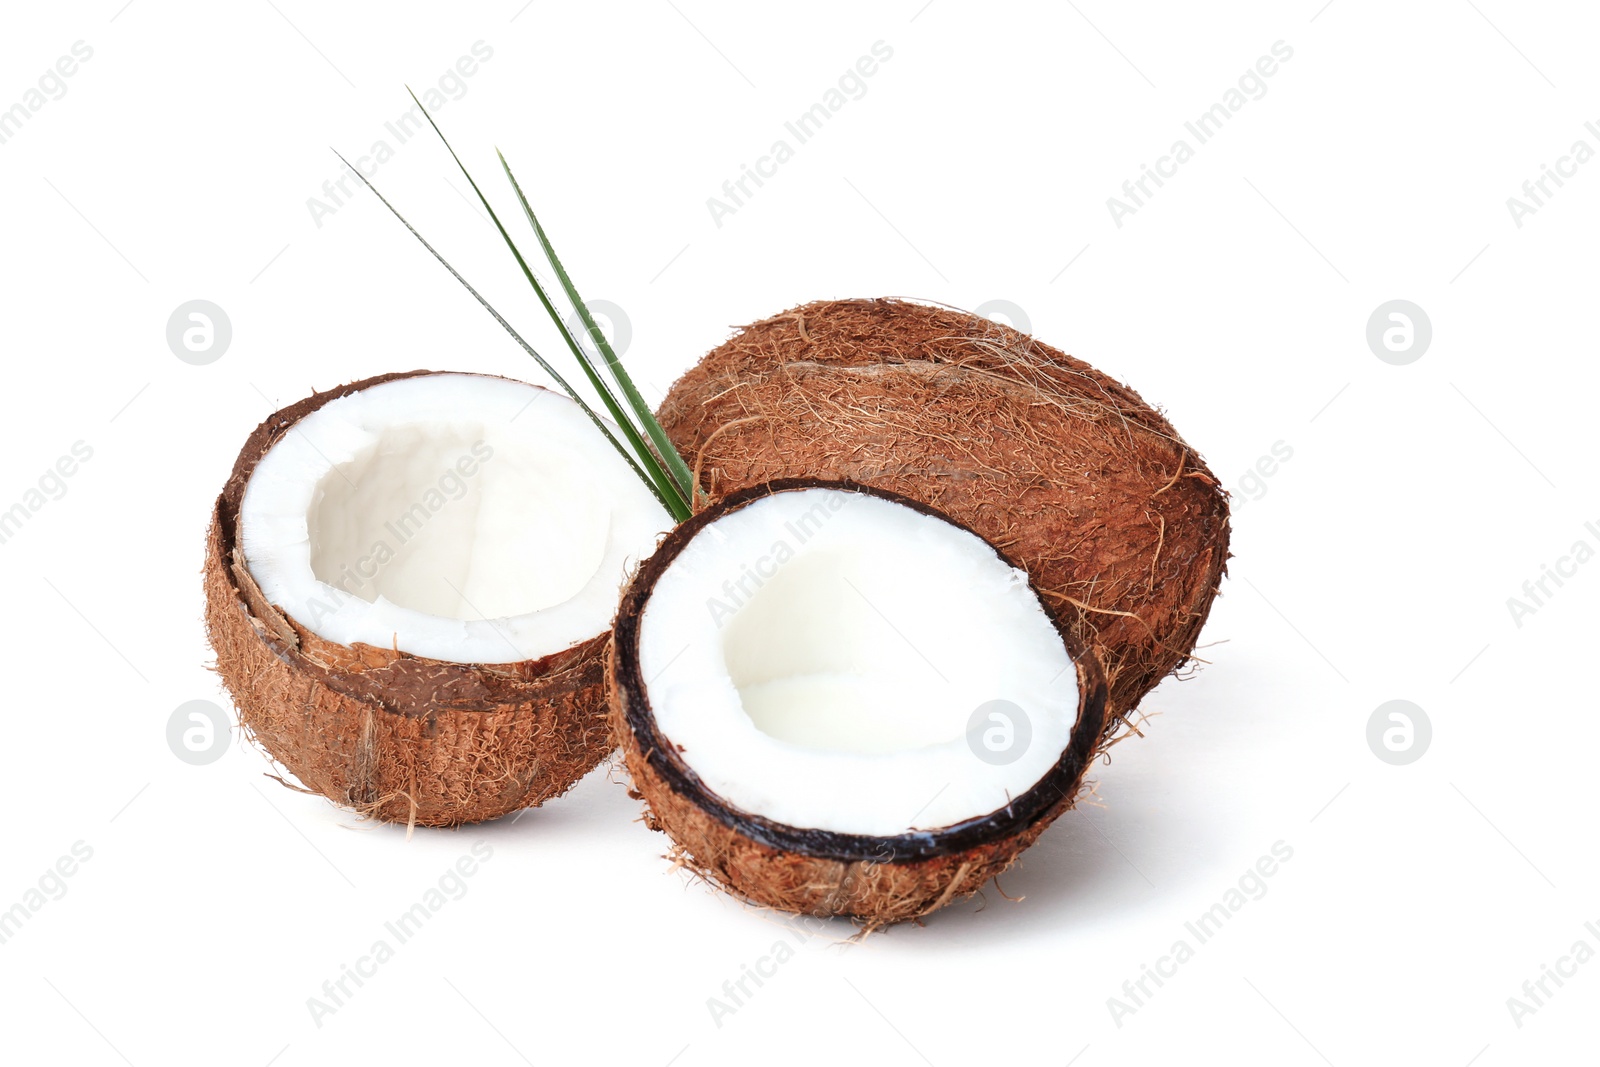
<point>394,736</point>
<point>817,872</point>
<point>1118,521</point>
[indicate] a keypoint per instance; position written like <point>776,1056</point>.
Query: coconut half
<point>1070,472</point>
<point>837,701</point>
<point>409,585</point>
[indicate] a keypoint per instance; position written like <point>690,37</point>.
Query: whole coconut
<point>1116,519</point>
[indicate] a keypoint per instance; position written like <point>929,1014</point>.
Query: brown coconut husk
<point>1069,472</point>
<point>394,736</point>
<point>875,880</point>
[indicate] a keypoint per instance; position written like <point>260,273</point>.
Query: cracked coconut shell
<point>874,880</point>
<point>394,736</point>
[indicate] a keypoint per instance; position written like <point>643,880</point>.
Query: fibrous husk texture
<point>815,872</point>
<point>874,893</point>
<point>1118,521</point>
<point>394,736</point>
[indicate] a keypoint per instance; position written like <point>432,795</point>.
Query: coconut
<point>1118,520</point>
<point>838,701</point>
<point>409,586</point>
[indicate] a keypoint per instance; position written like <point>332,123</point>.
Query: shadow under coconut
<point>1090,856</point>
<point>596,804</point>
<point>1118,846</point>
<point>1069,874</point>
<point>1065,878</point>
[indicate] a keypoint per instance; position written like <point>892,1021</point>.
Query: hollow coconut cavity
<point>1117,520</point>
<point>836,701</point>
<point>409,588</point>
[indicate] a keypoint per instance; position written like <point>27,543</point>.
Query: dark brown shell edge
<point>877,880</point>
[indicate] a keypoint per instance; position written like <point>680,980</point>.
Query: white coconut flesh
<point>820,658</point>
<point>454,516</point>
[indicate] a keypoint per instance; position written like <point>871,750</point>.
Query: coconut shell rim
<point>1023,812</point>
<point>523,676</point>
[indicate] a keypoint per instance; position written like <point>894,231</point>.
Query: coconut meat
<point>459,517</point>
<point>837,661</point>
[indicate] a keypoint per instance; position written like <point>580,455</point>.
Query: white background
<point>1374,565</point>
